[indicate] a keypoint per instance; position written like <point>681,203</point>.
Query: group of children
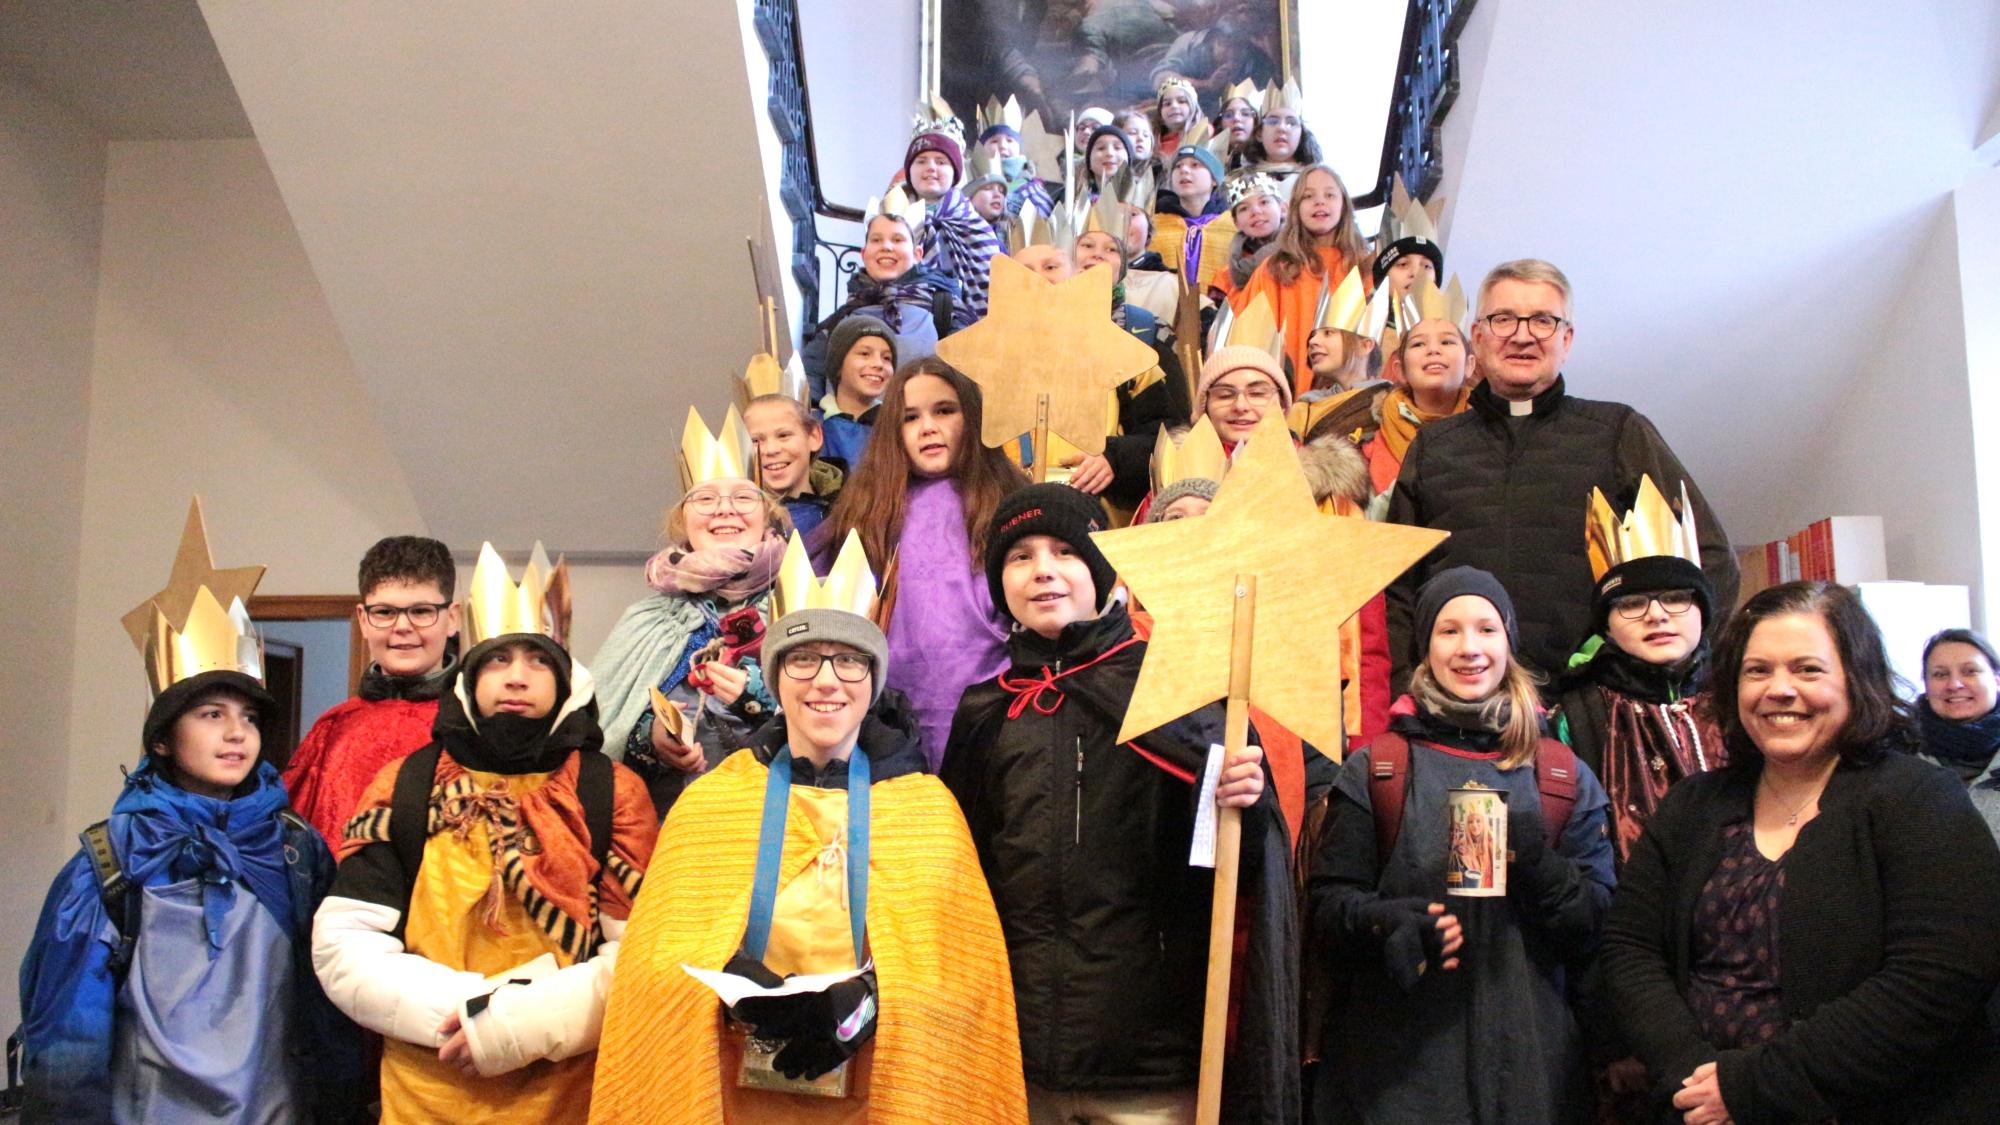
<point>902,780</point>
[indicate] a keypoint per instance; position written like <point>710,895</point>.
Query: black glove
<point>1532,868</point>
<point>751,969</point>
<point>1408,932</point>
<point>820,1030</point>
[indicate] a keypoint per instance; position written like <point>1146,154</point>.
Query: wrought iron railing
<point>1427,84</point>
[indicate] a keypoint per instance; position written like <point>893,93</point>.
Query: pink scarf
<point>733,574</point>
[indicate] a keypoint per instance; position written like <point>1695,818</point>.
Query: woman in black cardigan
<point>1811,932</point>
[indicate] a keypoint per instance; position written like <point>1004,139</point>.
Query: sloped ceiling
<point>528,220</point>
<point>1738,192</point>
<point>134,69</point>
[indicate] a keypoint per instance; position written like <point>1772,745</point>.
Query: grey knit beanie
<point>1184,487</point>
<point>835,625</point>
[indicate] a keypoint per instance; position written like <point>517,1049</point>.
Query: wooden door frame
<point>318,607</point>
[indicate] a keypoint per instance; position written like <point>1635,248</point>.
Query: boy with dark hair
<point>407,619</point>
<point>485,880</point>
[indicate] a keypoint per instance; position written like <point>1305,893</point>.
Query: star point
<point>194,568</point>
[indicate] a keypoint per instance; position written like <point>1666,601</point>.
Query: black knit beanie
<point>851,330</point>
<point>1448,584</point>
<point>180,698</point>
<point>1650,575</point>
<point>1110,131</point>
<point>1049,509</point>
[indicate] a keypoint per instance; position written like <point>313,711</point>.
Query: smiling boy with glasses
<point>407,620</point>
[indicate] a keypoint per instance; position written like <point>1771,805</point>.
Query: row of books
<point>1843,549</point>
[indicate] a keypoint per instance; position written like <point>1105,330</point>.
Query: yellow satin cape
<point>946,1045</point>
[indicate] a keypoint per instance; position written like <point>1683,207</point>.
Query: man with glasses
<point>1509,476</point>
<point>407,620</point>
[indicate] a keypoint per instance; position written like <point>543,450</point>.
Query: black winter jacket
<point>1886,951</point>
<point>1164,403</point>
<point>1513,493</point>
<point>1084,841</point>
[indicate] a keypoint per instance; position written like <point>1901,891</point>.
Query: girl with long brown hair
<point>921,500</point>
<point>1318,244</point>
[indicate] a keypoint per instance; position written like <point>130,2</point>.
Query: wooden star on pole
<point>194,568</point>
<point>1313,571</point>
<point>1054,341</point>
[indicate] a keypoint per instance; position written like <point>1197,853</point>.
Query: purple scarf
<point>732,574</point>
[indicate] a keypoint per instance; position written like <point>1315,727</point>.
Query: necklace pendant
<point>1792,821</point>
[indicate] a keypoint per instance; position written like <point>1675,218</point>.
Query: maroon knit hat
<point>936,141</point>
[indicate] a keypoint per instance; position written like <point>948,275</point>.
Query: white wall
<point>1976,212</point>
<point>217,370</point>
<point>51,190</point>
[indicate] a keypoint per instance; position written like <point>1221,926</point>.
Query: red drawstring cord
<point>1030,691</point>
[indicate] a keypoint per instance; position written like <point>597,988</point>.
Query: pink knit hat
<point>1239,357</point>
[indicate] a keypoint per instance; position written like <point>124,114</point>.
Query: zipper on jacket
<point>1079,790</point>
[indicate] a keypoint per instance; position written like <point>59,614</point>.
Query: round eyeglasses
<point>707,502</point>
<point>1541,326</point>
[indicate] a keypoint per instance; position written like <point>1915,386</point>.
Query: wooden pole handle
<point>1042,454</point>
<point>1228,852</point>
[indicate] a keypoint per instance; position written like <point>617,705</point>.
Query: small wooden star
<point>193,569</point>
<point>1313,571</point>
<point>1055,339</point>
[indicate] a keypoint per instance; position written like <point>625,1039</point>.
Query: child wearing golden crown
<point>170,978</point>
<point>691,646</point>
<point>857,864</point>
<point>485,880</point>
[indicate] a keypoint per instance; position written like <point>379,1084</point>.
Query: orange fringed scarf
<point>1401,419</point>
<point>946,1045</point>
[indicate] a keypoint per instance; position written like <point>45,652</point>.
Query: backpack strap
<point>595,788</point>
<point>941,312</point>
<point>410,809</point>
<point>1555,776</point>
<point>115,889</point>
<point>1388,789</point>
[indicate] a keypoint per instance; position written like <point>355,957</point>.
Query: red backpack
<point>1389,787</point>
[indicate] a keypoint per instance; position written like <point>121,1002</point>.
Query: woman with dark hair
<point>1807,933</point>
<point>921,500</point>
<point>1959,716</point>
<point>1283,148</point>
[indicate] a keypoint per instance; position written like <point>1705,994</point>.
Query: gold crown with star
<point>849,586</point>
<point>708,455</point>
<point>1651,528</point>
<point>1176,82</point>
<point>497,606</point>
<point>1197,455</point>
<point>1256,183</point>
<point>934,115</point>
<point>198,622</point>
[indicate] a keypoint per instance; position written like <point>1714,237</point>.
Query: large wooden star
<point>1313,572</point>
<point>1055,339</point>
<point>193,569</point>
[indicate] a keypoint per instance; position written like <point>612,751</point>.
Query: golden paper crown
<point>1344,306</point>
<point>994,112</point>
<point>1284,97</point>
<point>1256,326</point>
<point>1650,528</point>
<point>212,639</point>
<point>708,456</point>
<point>764,375</point>
<point>849,586</point>
<point>1198,455</point>
<point>1198,132</point>
<point>495,606</point>
<point>1405,217</point>
<point>1176,82</point>
<point>1061,227</point>
<point>1247,90</point>
<point>198,622</point>
<point>982,167</point>
<point>900,203</point>
<point>1425,301</point>
<point>934,115</point>
<point>1255,183</point>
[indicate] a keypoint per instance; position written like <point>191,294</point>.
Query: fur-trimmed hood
<point>1334,467</point>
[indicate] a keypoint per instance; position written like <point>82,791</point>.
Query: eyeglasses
<point>848,667</point>
<point>707,502</point>
<point>1257,394</point>
<point>1281,122</point>
<point>1632,607</point>
<point>1541,326</point>
<point>423,615</point>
